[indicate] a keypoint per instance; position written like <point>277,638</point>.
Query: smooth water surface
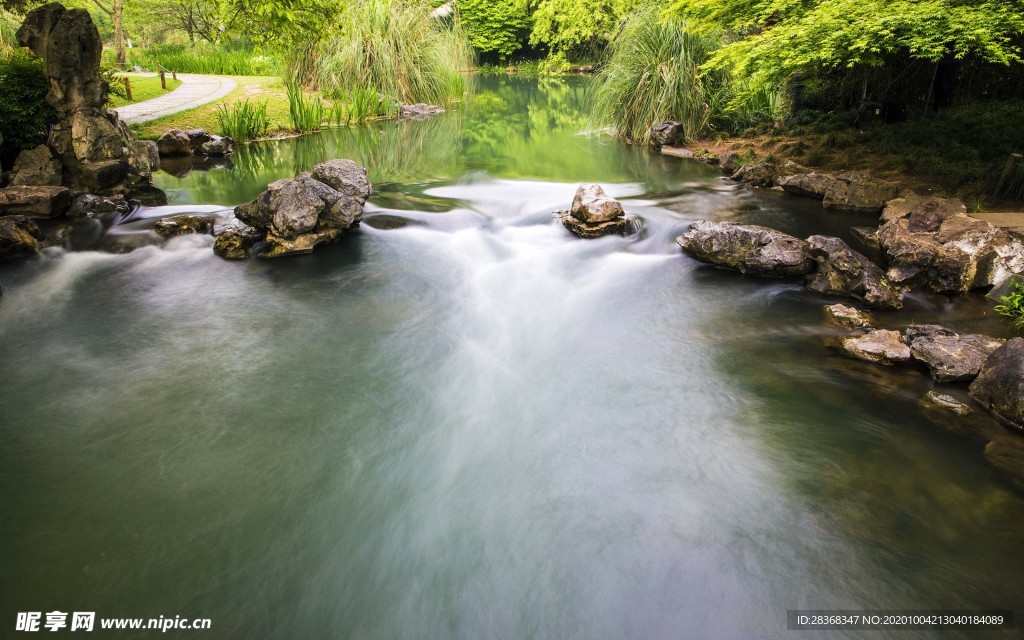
<point>463,422</point>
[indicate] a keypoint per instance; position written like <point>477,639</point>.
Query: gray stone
<point>419,111</point>
<point>767,172</point>
<point>197,138</point>
<point>729,162</point>
<point>92,206</point>
<point>667,134</point>
<point>933,400</point>
<point>812,185</point>
<point>35,202</point>
<point>750,249</point>
<point>1000,383</point>
<point>857,191</point>
<point>217,146</point>
<point>19,237</point>
<point>143,160</point>
<point>37,168</point>
<point>880,346</point>
<point>844,272</point>
<point>234,242</point>
<point>953,358</point>
<point>909,203</point>
<point>592,205</point>
<point>184,225</point>
<point>174,143</point>
<point>626,225</point>
<point>848,317</point>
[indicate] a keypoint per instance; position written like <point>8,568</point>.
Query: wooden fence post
<point>128,88</point>
<point>163,79</point>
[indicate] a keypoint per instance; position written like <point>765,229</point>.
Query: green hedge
<point>25,117</point>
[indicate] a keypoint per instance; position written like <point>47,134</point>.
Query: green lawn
<point>145,88</point>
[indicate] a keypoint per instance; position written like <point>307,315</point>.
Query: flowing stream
<point>463,422</point>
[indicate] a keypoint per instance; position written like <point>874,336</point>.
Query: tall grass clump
<point>9,24</point>
<point>652,73</point>
<point>306,112</point>
<point>243,121</point>
<point>395,48</point>
<point>232,59</point>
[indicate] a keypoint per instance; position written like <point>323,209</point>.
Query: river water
<point>464,422</point>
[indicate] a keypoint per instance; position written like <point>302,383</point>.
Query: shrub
<point>1011,306</point>
<point>394,47</point>
<point>243,121</point>
<point>652,74</point>
<point>25,117</point>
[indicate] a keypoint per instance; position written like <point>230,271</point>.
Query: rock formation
<point>1000,383</point>
<point>19,237</point>
<point>881,346</point>
<point>667,134</point>
<point>848,317</point>
<point>751,249</point>
<point>594,214</point>
<point>294,216</point>
<point>950,357</point>
<point>844,272</point>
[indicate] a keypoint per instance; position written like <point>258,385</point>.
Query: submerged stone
<point>747,248</point>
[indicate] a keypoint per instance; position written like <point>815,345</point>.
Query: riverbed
<point>464,422</point>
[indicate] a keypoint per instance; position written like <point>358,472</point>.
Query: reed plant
<point>653,73</point>
<point>236,59</point>
<point>9,24</point>
<point>393,46</point>
<point>305,111</point>
<point>243,121</point>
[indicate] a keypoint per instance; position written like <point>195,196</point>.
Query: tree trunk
<point>118,17</point>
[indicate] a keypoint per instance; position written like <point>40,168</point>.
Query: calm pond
<point>463,422</point>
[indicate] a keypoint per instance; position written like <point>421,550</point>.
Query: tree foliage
<point>775,38</point>
<point>498,27</point>
<point>564,25</point>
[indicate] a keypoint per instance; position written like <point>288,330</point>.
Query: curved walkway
<point>195,90</point>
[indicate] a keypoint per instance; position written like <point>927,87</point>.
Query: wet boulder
<point>93,206</point>
<point>812,185</point>
<point>729,162</point>
<point>880,346</point>
<point>235,241</point>
<point>929,243</point>
<point>595,214</point>
<point>945,403</point>
<point>844,272</point>
<point>667,133</point>
<point>174,144</point>
<point>848,317</point>
<point>951,357</point>
<point>19,237</point>
<point>296,215</point>
<point>35,202</point>
<point>1000,383</point>
<point>749,249</point>
<point>217,146</point>
<point>37,168</point>
<point>197,138</point>
<point>767,172</point>
<point>857,191</point>
<point>184,225</point>
<point>143,160</point>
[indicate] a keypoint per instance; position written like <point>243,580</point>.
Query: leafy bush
<point>1011,306</point>
<point>497,28</point>
<point>9,23</point>
<point>25,117</point>
<point>243,121</point>
<point>652,75</point>
<point>395,47</point>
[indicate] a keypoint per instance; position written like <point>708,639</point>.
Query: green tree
<point>775,38</point>
<point>566,25</point>
<point>498,27</point>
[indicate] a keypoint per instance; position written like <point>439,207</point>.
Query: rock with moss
<point>1000,383</point>
<point>844,272</point>
<point>880,346</point>
<point>847,317</point>
<point>37,168</point>
<point>20,237</point>
<point>950,357</point>
<point>296,215</point>
<point>930,243</point>
<point>747,248</point>
<point>667,133</point>
<point>767,172</point>
<point>812,185</point>
<point>35,202</point>
<point>595,214</point>
<point>858,191</point>
<point>184,225</point>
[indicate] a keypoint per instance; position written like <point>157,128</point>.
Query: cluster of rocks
<point>419,111</point>
<point>178,143</point>
<point>828,264</point>
<point>594,214</point>
<point>294,216</point>
<point>90,164</point>
<point>89,149</point>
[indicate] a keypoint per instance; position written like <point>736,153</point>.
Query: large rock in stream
<point>594,214</point>
<point>949,356</point>
<point>20,237</point>
<point>881,346</point>
<point>747,248</point>
<point>844,272</point>
<point>932,243</point>
<point>295,215</point>
<point>1000,383</point>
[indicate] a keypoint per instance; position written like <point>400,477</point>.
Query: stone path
<point>194,91</point>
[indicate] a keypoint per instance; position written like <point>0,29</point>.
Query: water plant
<point>306,112</point>
<point>393,46</point>
<point>235,59</point>
<point>243,120</point>
<point>653,73</point>
<point>1011,305</point>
